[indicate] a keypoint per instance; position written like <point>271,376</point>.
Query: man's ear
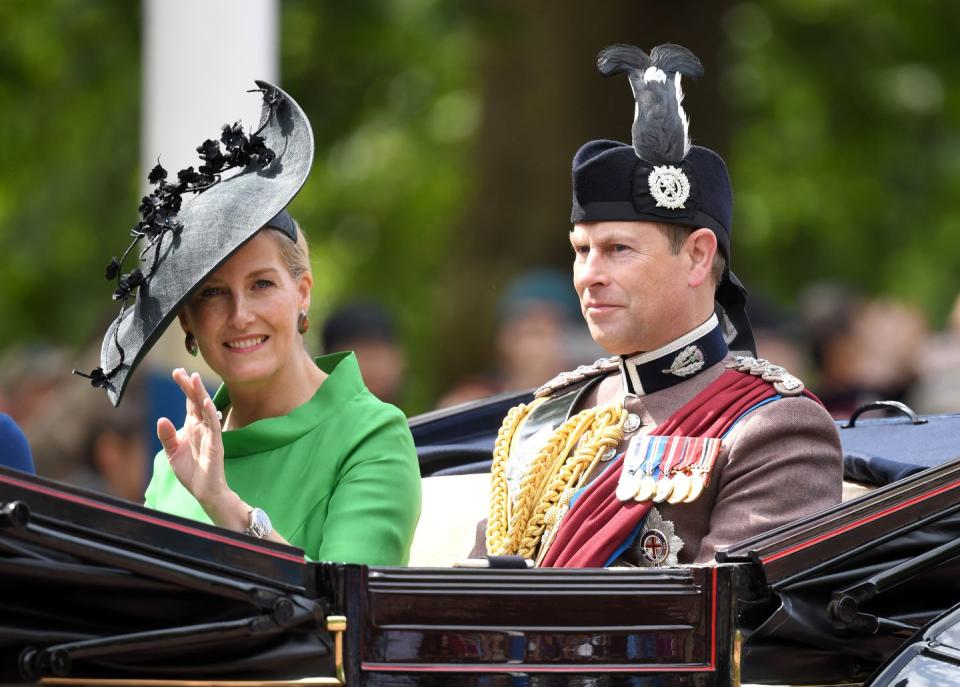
<point>700,247</point>
<point>304,287</point>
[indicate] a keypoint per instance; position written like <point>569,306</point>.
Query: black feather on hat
<point>182,241</point>
<point>660,125</point>
<point>661,177</point>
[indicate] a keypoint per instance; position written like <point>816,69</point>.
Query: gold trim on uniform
<point>524,522</point>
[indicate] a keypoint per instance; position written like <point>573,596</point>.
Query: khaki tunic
<point>779,463</point>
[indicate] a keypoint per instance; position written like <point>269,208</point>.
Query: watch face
<point>260,525</point>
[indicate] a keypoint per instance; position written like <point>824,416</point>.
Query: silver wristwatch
<point>259,526</point>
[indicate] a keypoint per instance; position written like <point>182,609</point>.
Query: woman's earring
<point>303,322</point>
<point>190,343</point>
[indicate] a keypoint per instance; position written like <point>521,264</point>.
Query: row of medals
<point>680,487</point>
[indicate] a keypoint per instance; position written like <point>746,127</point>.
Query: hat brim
<point>216,223</point>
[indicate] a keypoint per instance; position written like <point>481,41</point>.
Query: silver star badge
<point>658,543</point>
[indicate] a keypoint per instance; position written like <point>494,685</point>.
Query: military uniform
<point>661,456</point>
<point>778,463</point>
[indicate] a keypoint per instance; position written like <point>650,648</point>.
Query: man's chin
<point>610,342</point>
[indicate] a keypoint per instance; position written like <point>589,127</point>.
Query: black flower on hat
<point>259,187</point>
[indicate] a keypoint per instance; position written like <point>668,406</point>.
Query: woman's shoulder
<point>370,419</point>
<point>355,405</point>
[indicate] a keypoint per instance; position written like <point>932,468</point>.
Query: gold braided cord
<point>516,525</point>
<point>499,492</point>
<point>553,453</point>
<point>584,421</point>
<point>605,431</point>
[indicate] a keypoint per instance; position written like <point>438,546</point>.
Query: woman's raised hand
<point>196,452</point>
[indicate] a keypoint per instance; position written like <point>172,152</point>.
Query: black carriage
<point>94,590</point>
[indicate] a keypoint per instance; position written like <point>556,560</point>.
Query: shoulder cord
<point>499,492</point>
<point>552,476</point>
<point>605,432</point>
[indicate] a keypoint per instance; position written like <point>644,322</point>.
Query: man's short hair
<point>676,235</point>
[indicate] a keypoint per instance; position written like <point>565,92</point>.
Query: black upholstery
<point>880,451</point>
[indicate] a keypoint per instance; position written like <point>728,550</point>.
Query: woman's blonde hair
<point>296,254</point>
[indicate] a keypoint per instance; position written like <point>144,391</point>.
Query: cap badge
<point>688,361</point>
<point>658,542</point>
<point>669,186</point>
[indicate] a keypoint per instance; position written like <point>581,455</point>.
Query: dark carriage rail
<point>127,529</point>
<point>470,621</point>
<point>800,549</point>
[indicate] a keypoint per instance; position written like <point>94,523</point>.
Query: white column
<point>200,56</point>
<point>199,59</point>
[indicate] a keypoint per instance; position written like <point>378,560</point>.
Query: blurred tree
<point>69,84</point>
<point>392,91</point>
<point>846,145</point>
<point>542,99</point>
<point>444,136</point>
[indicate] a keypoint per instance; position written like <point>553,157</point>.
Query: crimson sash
<point>599,522</point>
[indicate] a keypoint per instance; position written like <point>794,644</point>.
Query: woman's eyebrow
<point>264,270</point>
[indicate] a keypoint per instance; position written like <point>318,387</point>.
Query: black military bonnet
<point>611,183</point>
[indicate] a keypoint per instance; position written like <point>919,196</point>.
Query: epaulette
<point>783,382</point>
<point>564,379</point>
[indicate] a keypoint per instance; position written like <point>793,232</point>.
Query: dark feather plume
<point>660,125</point>
<point>621,58</point>
<point>671,57</point>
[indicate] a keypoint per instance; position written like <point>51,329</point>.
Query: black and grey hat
<point>182,240</point>
<point>661,177</point>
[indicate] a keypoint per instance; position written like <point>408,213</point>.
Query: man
<point>673,448</point>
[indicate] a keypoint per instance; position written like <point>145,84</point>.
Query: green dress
<point>338,476</point>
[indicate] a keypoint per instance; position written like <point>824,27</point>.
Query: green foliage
<point>846,145</point>
<point>390,87</point>
<point>845,150</point>
<point>69,84</point>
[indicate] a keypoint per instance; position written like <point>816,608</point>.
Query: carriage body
<point>95,590</point>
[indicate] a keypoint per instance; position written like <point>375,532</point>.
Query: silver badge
<point>783,382</point>
<point>688,361</point>
<point>669,186</point>
<point>601,366</point>
<point>788,385</point>
<point>658,543</point>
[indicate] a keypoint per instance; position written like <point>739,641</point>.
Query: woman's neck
<point>290,388</point>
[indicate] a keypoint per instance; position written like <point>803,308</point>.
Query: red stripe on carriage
<point>528,668</point>
<point>857,523</point>
<point>66,496</point>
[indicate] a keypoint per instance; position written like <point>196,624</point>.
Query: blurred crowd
<point>848,348</point>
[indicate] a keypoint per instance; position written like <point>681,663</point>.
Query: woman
<point>289,449</point>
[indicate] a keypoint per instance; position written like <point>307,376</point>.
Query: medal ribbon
<point>644,455</point>
<point>598,522</point>
<point>677,446</point>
